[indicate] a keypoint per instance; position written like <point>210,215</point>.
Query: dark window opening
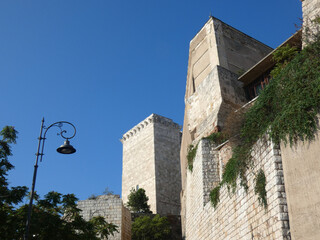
<point>254,89</point>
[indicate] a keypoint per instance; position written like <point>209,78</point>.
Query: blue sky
<point>105,66</point>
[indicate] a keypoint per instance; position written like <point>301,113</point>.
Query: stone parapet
<point>153,118</point>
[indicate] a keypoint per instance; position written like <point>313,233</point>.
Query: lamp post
<point>66,148</point>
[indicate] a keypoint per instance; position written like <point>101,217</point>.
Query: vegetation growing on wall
<point>215,138</point>
<point>192,151</point>
<point>286,110</point>
<point>260,188</point>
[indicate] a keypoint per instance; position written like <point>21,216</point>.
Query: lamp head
<point>66,148</point>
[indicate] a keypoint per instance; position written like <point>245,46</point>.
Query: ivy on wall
<point>214,138</point>
<point>286,110</point>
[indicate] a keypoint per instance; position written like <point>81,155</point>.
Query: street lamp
<point>66,148</point>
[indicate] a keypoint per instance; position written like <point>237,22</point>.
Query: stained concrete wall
<point>151,161</point>
<point>111,208</point>
<point>239,215</point>
<point>301,165</point>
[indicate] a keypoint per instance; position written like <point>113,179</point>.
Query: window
<point>255,88</point>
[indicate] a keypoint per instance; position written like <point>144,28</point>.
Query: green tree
<point>148,228</point>
<point>56,216</point>
<point>138,201</point>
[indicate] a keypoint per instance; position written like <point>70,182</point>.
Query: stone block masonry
<point>311,10</point>
<point>111,208</point>
<point>217,55</point>
<point>238,215</point>
<point>151,160</point>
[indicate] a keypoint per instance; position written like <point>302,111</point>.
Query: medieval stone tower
<point>151,161</point>
<point>217,55</point>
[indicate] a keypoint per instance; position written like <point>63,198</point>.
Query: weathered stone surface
<point>151,161</point>
<point>239,215</point>
<point>111,208</point>
<point>310,10</point>
<point>216,55</point>
<point>301,167</point>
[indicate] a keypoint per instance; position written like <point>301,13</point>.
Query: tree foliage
<point>56,216</point>
<point>138,201</point>
<point>148,228</point>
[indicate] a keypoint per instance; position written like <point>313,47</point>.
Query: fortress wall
<point>217,54</point>
<point>138,166</point>
<point>151,160</point>
<point>239,215</point>
<point>301,167</point>
<point>310,10</point>
<point>108,206</point>
<point>167,139</point>
<point>126,224</point>
<point>204,105</point>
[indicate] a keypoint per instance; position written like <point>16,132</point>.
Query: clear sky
<point>105,66</point>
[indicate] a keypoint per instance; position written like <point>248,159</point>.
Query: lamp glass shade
<point>66,148</point>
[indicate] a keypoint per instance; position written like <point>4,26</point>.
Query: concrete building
<point>151,161</point>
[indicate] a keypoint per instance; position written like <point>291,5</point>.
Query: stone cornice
<point>153,118</point>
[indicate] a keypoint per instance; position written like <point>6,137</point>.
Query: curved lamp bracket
<point>62,131</point>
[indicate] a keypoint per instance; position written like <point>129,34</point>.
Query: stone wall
<point>217,54</point>
<point>125,224</point>
<point>310,10</point>
<point>239,215</point>
<point>301,167</point>
<point>167,140</point>
<point>138,165</point>
<point>111,208</point>
<point>151,161</point>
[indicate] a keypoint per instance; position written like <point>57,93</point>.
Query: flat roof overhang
<point>267,62</point>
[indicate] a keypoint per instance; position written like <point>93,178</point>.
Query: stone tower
<point>218,54</point>
<point>151,161</point>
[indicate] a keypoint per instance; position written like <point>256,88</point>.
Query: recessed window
<point>255,88</point>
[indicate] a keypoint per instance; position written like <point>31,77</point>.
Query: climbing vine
<point>286,110</point>
<point>192,151</point>
<point>215,138</point>
<point>260,188</point>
